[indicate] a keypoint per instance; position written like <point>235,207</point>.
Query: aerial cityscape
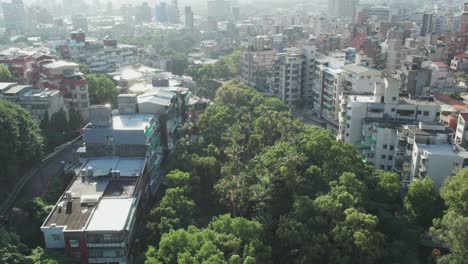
<point>233,131</point>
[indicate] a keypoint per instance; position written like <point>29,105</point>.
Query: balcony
<point>106,245</point>
<point>423,168</point>
<point>107,260</point>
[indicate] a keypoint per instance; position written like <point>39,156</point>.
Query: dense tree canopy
<point>225,240</point>
<point>313,197</point>
<point>21,143</point>
<point>452,228</point>
<point>13,251</point>
<point>5,74</point>
<point>102,89</point>
<point>423,202</point>
<point>56,130</point>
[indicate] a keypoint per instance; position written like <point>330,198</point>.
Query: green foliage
<point>41,256</point>
<point>424,202</point>
<point>102,89</point>
<point>13,251</point>
<point>5,74</point>
<point>174,211</point>
<point>226,240</point>
<point>312,198</point>
<point>455,96</point>
<point>226,68</point>
<point>57,130</point>
<point>85,69</point>
<point>56,186</point>
<point>21,143</point>
<point>452,229</point>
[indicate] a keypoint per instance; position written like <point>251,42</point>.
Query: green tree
<point>12,251</point>
<point>21,143</point>
<point>85,69</point>
<point>5,74</point>
<point>226,240</point>
<point>452,229</point>
<point>102,89</point>
<point>41,256</point>
<point>423,202</point>
<point>174,211</point>
<point>57,130</point>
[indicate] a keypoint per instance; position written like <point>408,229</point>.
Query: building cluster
<point>102,56</point>
<point>95,219</point>
<point>58,84</point>
<point>388,77</point>
<point>382,78</point>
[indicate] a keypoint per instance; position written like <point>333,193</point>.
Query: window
<point>438,114</point>
<point>419,112</point>
<point>83,96</point>
<point>347,125</point>
<point>389,167</point>
<point>394,98</point>
<point>74,243</point>
<point>109,139</point>
<point>382,167</point>
<point>83,88</point>
<point>347,134</point>
<point>56,237</point>
<point>390,157</point>
<point>384,157</point>
<point>392,147</point>
<point>384,146</point>
<point>393,109</point>
<point>426,113</point>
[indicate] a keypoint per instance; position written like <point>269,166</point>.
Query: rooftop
<point>6,85</point>
<point>76,217</point>
<point>42,93</point>
<point>17,88</point>
<point>158,96</point>
<point>438,149</point>
<point>111,215</point>
<point>418,101</point>
<point>131,122</point>
<point>464,116</point>
<point>128,167</point>
<point>60,64</point>
<point>360,70</point>
<point>98,194</point>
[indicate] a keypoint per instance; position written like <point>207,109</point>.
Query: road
<point>34,183</point>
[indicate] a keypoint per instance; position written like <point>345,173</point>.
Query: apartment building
<point>67,78</point>
<point>371,122</point>
<point>426,150</point>
<point>333,79</point>
<point>256,62</point>
<point>43,103</point>
<point>287,77</point>
<point>171,106</point>
<point>39,103</point>
<point>94,220</point>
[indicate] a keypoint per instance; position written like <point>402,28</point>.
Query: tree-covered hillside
<point>301,196</point>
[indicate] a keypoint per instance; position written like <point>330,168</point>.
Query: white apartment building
<point>327,87</point>
<point>370,122</point>
<point>422,134</point>
<point>287,79</point>
<point>42,103</point>
<point>437,162</point>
